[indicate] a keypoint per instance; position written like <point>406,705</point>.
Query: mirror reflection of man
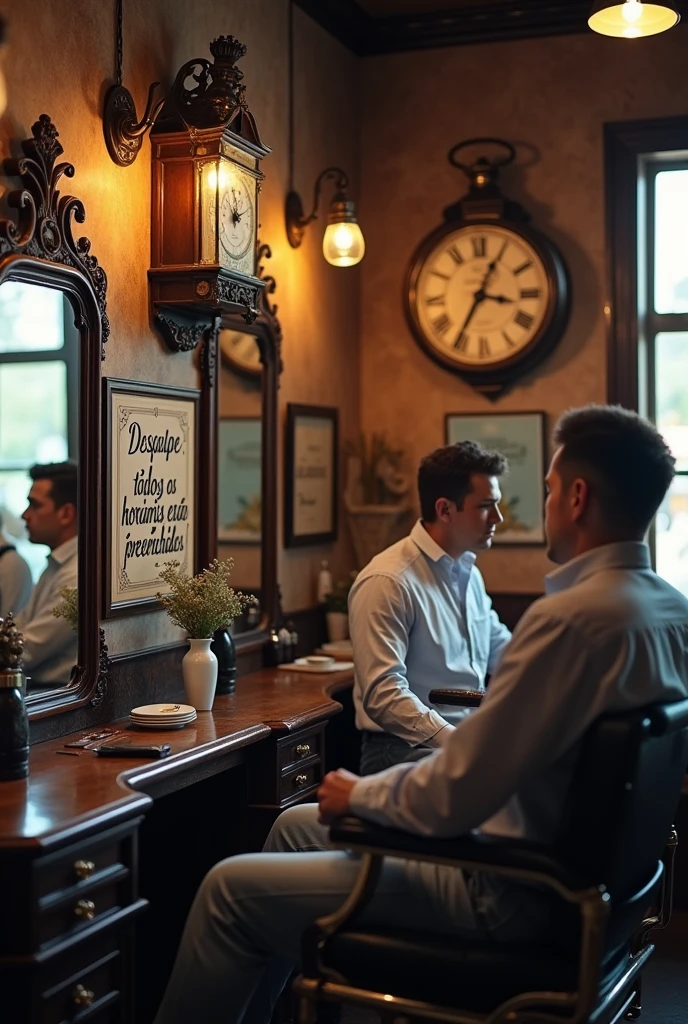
<point>15,577</point>
<point>50,643</point>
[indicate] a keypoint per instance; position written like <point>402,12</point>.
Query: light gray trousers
<point>242,937</point>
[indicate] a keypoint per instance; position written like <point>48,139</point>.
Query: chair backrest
<point>624,795</point>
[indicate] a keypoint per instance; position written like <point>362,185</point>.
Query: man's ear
<point>579,497</point>
<point>66,514</point>
<point>442,509</point>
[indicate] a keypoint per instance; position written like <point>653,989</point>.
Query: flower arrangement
<point>11,645</point>
<point>69,607</point>
<point>380,475</point>
<point>203,603</point>
<point>338,598</point>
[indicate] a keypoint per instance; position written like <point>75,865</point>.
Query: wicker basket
<point>372,528</point>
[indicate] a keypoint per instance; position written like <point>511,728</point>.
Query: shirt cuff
<point>442,737</point>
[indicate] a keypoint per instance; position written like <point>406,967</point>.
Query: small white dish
<point>321,660</point>
<point>168,710</point>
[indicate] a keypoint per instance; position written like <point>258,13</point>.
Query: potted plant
<point>377,493</point>
<point>336,609</point>
<point>201,605</point>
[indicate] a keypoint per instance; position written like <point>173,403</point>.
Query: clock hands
<point>480,296</point>
<point>499,298</point>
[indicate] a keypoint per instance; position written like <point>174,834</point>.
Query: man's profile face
<point>473,526</point>
<point>43,520</point>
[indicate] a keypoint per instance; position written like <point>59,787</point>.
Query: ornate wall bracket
<point>44,223</point>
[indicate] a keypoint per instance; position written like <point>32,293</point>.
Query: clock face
<point>237,214</point>
<point>240,351</point>
<point>480,296</point>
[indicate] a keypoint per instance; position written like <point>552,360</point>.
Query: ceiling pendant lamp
<point>631,19</point>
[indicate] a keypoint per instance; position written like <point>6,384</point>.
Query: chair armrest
<point>499,856</point>
<point>457,698</point>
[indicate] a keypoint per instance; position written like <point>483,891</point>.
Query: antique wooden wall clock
<point>487,296</point>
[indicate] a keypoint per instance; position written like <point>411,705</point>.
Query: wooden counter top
<point>65,796</point>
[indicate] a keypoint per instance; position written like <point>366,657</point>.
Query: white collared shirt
<point>15,580</point>
<point>50,643</point>
<point>609,635</point>
<point>419,620</point>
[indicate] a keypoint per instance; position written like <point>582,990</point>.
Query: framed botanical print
<point>151,471</point>
<point>310,486</point>
<point>520,437</point>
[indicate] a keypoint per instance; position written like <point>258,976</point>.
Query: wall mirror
<point>242,367</point>
<point>53,324</point>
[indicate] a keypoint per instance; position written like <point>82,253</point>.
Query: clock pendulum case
<point>487,296</point>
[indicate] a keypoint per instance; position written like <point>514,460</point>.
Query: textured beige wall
<point>61,61</point>
<point>551,96</point>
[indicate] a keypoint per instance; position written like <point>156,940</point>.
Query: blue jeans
<point>380,750</point>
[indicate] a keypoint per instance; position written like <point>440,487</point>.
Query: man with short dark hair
<point>419,615</point>
<point>609,635</point>
<point>50,643</point>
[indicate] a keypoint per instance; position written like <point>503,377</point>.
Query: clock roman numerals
<point>455,255</point>
<point>523,267</point>
<point>442,324</point>
<point>524,320</point>
<point>461,343</point>
<point>530,293</point>
<point>508,340</point>
<point>435,300</point>
<point>484,347</point>
<point>479,246</point>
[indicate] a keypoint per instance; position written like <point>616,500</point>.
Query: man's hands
<point>334,795</point>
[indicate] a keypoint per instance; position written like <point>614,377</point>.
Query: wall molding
<point>476,22</point>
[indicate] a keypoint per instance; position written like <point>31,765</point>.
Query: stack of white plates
<point>163,716</point>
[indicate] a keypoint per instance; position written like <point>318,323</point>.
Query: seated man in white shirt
<point>610,634</point>
<point>50,643</point>
<point>419,616</point>
<point>15,577</point>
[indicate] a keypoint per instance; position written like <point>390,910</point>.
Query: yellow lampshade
<point>343,244</point>
<point>632,19</point>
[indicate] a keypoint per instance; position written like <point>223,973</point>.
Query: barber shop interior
<point>343,511</point>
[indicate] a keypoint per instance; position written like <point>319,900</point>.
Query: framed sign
<point>310,486</point>
<point>521,438</point>
<point>151,484</point>
<point>239,465</point>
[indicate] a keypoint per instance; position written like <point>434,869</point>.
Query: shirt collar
<point>632,554</point>
<point>421,537</point>
<point>63,552</point>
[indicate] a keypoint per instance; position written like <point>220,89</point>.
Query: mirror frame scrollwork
<point>268,333</point>
<point>40,248</point>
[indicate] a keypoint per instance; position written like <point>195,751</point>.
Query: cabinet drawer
<point>300,747</point>
<point>300,780</point>
<point>89,992</point>
<point>82,863</point>
<point>73,910</point>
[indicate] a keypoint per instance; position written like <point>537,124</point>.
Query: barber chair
<point>609,871</point>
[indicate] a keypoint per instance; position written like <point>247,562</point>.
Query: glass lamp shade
<point>632,19</point>
<point>343,244</point>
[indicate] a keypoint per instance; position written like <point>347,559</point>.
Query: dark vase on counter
<point>225,652</point>
<point>14,728</point>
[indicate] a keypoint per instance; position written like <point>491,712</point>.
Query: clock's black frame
<point>499,376</point>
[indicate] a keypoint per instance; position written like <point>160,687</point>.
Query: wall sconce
<point>343,242</point>
<point>3,87</point>
<point>631,19</point>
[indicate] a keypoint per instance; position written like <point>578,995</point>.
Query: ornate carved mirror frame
<point>268,334</point>
<point>40,248</point>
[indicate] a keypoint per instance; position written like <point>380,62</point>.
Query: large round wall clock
<point>487,296</point>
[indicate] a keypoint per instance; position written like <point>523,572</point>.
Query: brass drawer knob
<point>84,868</point>
<point>303,749</point>
<point>82,996</point>
<point>85,909</point>
<point>300,780</point>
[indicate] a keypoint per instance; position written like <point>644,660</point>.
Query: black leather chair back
<point>624,796</point>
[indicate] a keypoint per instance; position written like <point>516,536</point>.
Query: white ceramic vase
<point>337,626</point>
<point>199,672</point>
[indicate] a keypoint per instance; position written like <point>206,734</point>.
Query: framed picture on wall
<point>239,510</point>
<point>151,472</point>
<point>310,485</point>
<point>520,436</point>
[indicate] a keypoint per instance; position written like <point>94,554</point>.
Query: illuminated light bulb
<point>632,10</point>
<point>343,244</point>
<point>631,19</point>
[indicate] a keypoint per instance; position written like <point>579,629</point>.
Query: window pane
<point>42,435</point>
<point>671,392</point>
<point>672,535</point>
<point>671,242</point>
<point>14,489</point>
<point>31,317</point>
